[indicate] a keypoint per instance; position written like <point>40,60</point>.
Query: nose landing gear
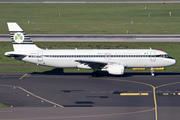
<point>152,72</point>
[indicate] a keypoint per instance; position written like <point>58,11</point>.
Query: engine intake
<point>116,69</point>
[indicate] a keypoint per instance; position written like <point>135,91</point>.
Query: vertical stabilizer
<point>20,41</point>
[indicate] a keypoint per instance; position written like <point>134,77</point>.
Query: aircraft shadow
<point>60,71</point>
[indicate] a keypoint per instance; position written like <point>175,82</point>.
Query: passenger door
<point>40,57</point>
<point>153,56</point>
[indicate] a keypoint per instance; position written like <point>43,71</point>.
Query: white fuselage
<point>128,58</point>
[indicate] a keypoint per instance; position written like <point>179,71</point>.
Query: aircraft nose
<point>172,61</point>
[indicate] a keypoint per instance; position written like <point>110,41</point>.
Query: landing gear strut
<point>152,72</point>
<point>95,73</point>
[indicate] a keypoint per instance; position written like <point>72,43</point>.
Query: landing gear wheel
<point>152,72</point>
<point>95,74</point>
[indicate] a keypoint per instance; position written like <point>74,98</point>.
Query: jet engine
<point>116,69</point>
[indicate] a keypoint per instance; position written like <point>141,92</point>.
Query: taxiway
<point>79,96</point>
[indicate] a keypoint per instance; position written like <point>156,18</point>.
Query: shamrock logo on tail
<point>18,37</point>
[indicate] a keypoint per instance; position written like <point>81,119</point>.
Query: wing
<point>93,64</point>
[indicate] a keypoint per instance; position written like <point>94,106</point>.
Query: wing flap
<point>92,64</point>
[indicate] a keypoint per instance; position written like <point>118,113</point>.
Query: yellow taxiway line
<point>133,94</point>
<point>23,76</point>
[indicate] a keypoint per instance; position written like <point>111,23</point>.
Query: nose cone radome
<point>172,61</point>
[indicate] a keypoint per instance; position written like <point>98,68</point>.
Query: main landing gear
<point>152,72</point>
<point>95,73</point>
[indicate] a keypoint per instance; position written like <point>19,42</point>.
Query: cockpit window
<point>164,56</point>
<point>167,56</point>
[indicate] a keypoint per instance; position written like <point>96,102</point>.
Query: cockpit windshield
<point>164,56</point>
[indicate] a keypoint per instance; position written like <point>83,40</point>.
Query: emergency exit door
<point>40,56</point>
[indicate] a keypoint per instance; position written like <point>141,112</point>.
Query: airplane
<point>114,61</point>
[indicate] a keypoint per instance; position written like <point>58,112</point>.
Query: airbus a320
<point>114,61</point>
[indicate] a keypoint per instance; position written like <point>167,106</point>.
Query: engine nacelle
<point>116,69</point>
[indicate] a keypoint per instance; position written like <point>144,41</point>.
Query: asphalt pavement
<point>97,38</point>
<point>79,96</point>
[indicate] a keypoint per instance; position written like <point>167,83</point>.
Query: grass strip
<point>2,105</point>
<point>92,18</point>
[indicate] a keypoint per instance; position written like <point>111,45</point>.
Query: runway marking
<point>3,76</point>
<point>154,91</point>
<point>165,93</point>
<point>133,94</point>
<point>129,94</point>
<point>93,91</point>
<point>155,102</point>
<point>102,92</point>
<point>144,93</point>
<point>167,84</point>
<point>33,95</point>
<point>175,94</point>
<point>168,92</point>
<point>23,76</point>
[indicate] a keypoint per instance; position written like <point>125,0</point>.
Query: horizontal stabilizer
<point>13,54</point>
